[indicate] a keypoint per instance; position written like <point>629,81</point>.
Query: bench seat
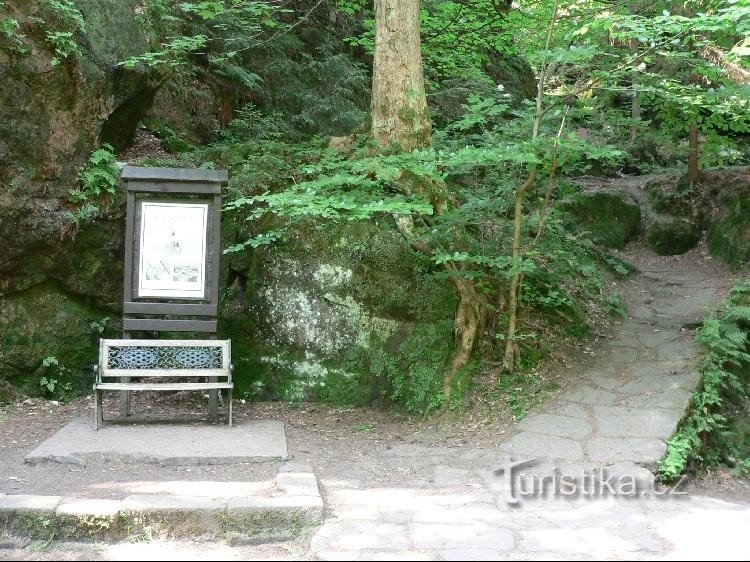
<point>180,364</point>
<point>164,386</point>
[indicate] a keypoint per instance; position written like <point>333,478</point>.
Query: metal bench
<point>187,361</point>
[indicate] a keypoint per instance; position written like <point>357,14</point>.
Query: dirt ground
<point>324,435</point>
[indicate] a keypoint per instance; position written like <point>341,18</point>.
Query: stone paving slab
<point>636,421</point>
<point>428,536</point>
<point>85,507</point>
<point>10,504</point>
<point>560,426</point>
<point>250,441</point>
<point>535,445</point>
<point>608,449</point>
<point>612,528</point>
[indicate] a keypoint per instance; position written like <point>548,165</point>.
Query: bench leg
<point>230,407</point>
<point>125,400</point>
<point>213,401</point>
<point>97,408</point>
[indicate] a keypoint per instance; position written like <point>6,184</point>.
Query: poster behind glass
<point>173,250</point>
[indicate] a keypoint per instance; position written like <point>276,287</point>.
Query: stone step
<point>290,505</point>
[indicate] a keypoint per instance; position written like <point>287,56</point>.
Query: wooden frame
<point>183,185</point>
<point>171,314</point>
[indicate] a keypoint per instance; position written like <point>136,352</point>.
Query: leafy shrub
<point>702,435</point>
<point>68,21</point>
<point>53,384</point>
<point>97,180</point>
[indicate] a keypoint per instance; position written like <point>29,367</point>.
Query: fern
<point>702,435</point>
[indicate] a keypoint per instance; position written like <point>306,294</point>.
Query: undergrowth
<point>708,435</point>
<point>98,180</point>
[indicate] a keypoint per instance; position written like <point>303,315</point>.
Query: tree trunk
<point>399,107</point>
<point>467,326</point>
<point>511,347</point>
<point>401,120</point>
<point>693,170</point>
<point>635,106</point>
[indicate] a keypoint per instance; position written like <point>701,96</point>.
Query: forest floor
<point>396,486</point>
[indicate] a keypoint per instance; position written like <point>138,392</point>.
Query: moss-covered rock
<point>336,313</point>
<point>669,236</point>
<point>54,114</point>
<point>676,217</point>
<point>611,216</point>
<point>46,321</point>
<point>729,235</point>
<point>55,279</point>
<point>675,196</point>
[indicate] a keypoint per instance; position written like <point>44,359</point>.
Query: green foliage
<point>52,385</point>
<point>521,391</point>
<point>66,12</point>
<point>515,389</point>
<point>64,45</point>
<point>416,381</point>
<point>11,35</point>
<point>702,435</point>
<point>8,27</point>
<point>98,327</point>
<point>100,176</point>
<point>68,22</point>
<point>460,39</point>
<point>218,28</point>
<point>173,53</point>
<point>251,124</point>
<point>97,180</point>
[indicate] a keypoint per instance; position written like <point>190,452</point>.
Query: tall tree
<point>399,105</point>
<point>401,119</point>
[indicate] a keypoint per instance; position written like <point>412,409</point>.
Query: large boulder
<point>612,216</point>
<point>729,235</point>
<point>46,322</point>
<point>54,114</point>
<point>668,235</point>
<point>676,217</point>
<point>348,314</point>
<point>678,214</point>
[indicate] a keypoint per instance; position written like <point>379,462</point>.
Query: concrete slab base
<point>251,441</point>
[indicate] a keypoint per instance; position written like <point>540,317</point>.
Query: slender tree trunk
<point>511,348</point>
<point>399,107</point>
<point>693,170</point>
<point>635,104</point>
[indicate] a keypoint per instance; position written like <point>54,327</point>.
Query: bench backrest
<point>165,358</point>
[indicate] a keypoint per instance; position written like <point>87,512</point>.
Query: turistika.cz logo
<point>588,483</point>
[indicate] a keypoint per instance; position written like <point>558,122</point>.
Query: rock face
<point>54,113</point>
<point>676,217</point>
<point>612,216</point>
<point>347,313</point>
<point>671,215</point>
<point>668,236</point>
<point>729,235</point>
<point>719,204</point>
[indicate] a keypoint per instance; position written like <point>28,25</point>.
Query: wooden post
<point>127,288</point>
